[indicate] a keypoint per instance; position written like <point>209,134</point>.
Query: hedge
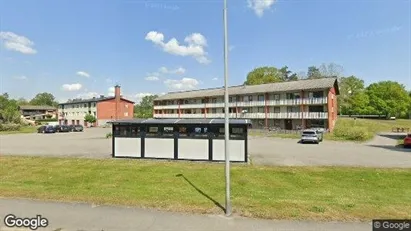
<point>10,127</point>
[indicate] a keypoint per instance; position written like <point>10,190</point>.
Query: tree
<point>331,69</point>
<point>349,87</point>
<point>359,104</point>
<point>22,101</point>
<point>313,73</point>
<point>44,99</point>
<point>89,118</point>
<point>287,75</point>
<point>262,75</point>
<point>144,109</point>
<point>389,98</point>
<point>9,112</point>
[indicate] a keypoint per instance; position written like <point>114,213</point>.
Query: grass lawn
<point>25,129</point>
<point>309,193</point>
<point>364,128</point>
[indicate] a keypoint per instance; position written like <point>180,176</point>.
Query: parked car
<point>62,128</point>
<point>311,136</point>
<point>46,129</point>
<point>407,141</point>
<point>77,128</point>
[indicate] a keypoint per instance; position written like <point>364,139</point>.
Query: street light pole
<point>227,121</point>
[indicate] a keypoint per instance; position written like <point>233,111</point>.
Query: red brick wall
<point>332,108</point>
<point>107,110</point>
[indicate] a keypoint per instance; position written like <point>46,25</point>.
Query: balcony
<point>281,102</point>
<point>280,115</point>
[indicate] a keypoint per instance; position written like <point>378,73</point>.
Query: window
<point>126,105</point>
<point>250,98</point>
<point>230,99</point>
<point>214,100</point>
<point>277,110</point>
<point>125,113</point>
<point>168,131</point>
<point>261,98</point>
<point>134,131</point>
<point>214,110</point>
<point>121,130</point>
<point>237,133</point>
<point>182,131</point>
<point>152,131</point>
<point>276,97</point>
<point>260,109</point>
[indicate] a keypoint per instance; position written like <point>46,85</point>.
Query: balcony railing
<point>280,115</point>
<point>281,102</point>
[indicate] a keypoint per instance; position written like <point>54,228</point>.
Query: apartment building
<point>286,105</point>
<point>35,112</point>
<point>103,108</point>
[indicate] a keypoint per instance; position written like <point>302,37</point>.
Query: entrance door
<point>288,125</point>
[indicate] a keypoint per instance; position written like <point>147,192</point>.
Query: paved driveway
<point>380,152</point>
<point>264,151</point>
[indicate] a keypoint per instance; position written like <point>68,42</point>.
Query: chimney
<point>117,92</point>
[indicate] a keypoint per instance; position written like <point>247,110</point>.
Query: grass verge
<point>309,193</point>
<point>25,129</point>
<point>348,129</point>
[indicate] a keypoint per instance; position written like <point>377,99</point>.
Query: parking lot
<point>92,143</point>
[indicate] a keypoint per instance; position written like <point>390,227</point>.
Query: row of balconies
<point>281,102</point>
<point>280,115</point>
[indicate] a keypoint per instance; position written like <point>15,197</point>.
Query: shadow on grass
<point>398,148</point>
<point>201,192</point>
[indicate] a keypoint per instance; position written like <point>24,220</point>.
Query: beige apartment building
<point>286,105</point>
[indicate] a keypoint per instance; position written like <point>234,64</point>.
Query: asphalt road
<point>76,217</point>
<point>381,152</point>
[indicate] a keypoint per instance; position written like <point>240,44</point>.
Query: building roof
<point>179,121</point>
<point>307,84</point>
<point>94,100</point>
<point>37,107</point>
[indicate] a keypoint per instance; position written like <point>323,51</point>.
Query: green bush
<point>352,133</point>
<point>10,127</point>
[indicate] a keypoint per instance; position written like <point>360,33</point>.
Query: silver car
<point>311,136</point>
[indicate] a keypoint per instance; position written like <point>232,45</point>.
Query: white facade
<point>76,111</point>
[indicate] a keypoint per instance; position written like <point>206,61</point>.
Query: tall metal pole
<point>227,121</point>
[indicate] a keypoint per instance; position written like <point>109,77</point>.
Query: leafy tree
<point>349,87</point>
<point>359,104</point>
<point>389,98</point>
<point>22,101</point>
<point>44,99</point>
<point>145,108</point>
<point>287,75</point>
<point>313,73</point>
<point>9,112</point>
<point>262,75</point>
<point>89,118</point>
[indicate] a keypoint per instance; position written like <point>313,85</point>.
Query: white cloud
<point>259,6</point>
<point>21,77</point>
<point>12,41</point>
<point>195,47</point>
<point>152,78</point>
<point>178,71</point>
<point>71,87</point>
<point>182,84</point>
<point>215,79</point>
<point>111,91</point>
<point>230,48</point>
<point>139,96</point>
<point>83,73</point>
<point>88,95</point>
<point>108,80</point>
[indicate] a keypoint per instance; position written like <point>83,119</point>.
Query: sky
<point>81,49</point>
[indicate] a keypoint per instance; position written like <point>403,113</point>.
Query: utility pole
<point>227,120</point>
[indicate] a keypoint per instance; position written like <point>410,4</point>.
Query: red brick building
<point>103,108</point>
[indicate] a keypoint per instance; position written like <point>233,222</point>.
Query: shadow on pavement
<point>398,148</point>
<point>201,192</point>
<point>393,136</point>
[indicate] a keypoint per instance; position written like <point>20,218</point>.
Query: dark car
<point>46,129</point>
<point>77,128</point>
<point>62,128</point>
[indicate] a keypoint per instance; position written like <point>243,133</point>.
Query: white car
<point>311,136</point>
